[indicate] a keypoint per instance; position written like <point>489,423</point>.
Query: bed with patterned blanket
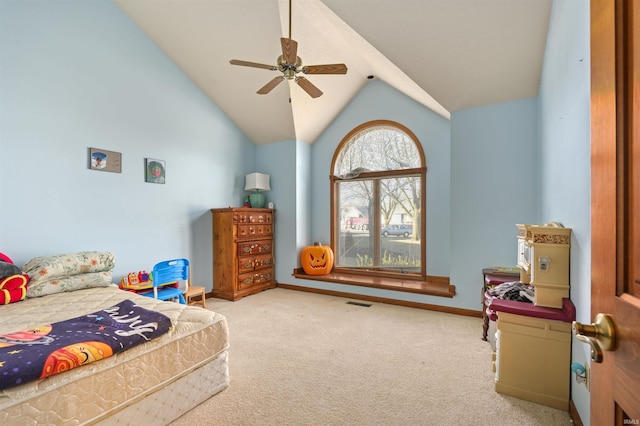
<point>152,360</point>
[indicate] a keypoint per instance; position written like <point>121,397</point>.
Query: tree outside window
<point>378,199</point>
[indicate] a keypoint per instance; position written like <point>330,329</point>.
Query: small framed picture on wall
<point>105,161</point>
<point>154,170</point>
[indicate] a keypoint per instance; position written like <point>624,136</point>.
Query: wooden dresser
<point>242,252</point>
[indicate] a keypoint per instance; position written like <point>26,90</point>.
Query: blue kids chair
<point>169,272</point>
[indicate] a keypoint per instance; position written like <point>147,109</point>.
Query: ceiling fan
<point>290,65</point>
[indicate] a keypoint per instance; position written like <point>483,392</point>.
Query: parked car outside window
<point>397,230</point>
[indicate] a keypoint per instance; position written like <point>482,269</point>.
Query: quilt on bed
<point>49,349</point>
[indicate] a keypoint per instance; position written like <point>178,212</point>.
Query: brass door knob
<point>601,335</point>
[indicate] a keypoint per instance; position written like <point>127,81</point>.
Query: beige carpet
<point>299,358</point>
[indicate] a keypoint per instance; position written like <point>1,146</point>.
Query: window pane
<point>400,221</point>
<point>393,243</point>
<point>377,149</point>
<point>378,194</point>
<point>355,247</point>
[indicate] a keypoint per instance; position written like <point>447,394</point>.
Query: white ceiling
<point>446,54</point>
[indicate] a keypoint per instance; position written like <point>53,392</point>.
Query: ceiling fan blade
<point>289,50</point>
<point>270,85</point>
<point>252,64</point>
<point>325,69</point>
<point>308,87</point>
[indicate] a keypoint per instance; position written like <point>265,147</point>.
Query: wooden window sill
<point>433,286</point>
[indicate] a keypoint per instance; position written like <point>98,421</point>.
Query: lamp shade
<point>257,182</point>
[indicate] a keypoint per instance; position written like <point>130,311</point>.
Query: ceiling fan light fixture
<point>290,67</point>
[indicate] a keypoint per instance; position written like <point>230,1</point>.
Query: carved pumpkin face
<point>317,259</point>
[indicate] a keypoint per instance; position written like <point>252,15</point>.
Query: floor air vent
<point>366,305</point>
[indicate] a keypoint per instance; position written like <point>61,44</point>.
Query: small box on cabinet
<point>543,258</point>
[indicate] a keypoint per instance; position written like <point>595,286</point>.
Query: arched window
<point>378,180</point>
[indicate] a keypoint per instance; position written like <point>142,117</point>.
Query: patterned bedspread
<point>49,349</point>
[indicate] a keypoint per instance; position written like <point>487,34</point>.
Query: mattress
<point>153,383</point>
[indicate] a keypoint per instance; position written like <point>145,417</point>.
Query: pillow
<point>46,268</point>
<point>72,283</point>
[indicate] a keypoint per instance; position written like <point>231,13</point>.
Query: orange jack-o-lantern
<point>317,259</point>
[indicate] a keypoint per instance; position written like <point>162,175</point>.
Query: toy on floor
<point>140,282</point>
<point>136,281</point>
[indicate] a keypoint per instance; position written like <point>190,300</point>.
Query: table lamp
<point>257,182</point>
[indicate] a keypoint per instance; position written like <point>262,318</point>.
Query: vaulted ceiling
<point>448,55</point>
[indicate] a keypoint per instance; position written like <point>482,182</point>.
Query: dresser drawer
<point>255,278</point>
<point>264,276</point>
<point>255,230</point>
<point>245,281</point>
<point>252,217</point>
<point>262,262</point>
<point>254,247</point>
<point>251,263</point>
<point>246,264</point>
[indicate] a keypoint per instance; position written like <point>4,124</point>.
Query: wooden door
<point>615,206</point>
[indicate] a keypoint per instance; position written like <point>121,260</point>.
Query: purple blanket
<point>53,348</point>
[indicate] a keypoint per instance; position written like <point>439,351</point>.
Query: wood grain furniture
<point>194,292</point>
<point>492,277</point>
<point>242,252</point>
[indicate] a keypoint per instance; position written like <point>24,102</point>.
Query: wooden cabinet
<point>242,252</point>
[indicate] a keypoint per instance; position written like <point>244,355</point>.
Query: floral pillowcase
<point>68,272</point>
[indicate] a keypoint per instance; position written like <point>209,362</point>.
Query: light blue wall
<point>488,154</point>
<point>493,187</point>
<point>289,164</point>
<point>379,101</point>
<point>280,160</point>
<point>565,165</point>
<point>303,207</point>
<point>80,74</point>
<point>376,101</point>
